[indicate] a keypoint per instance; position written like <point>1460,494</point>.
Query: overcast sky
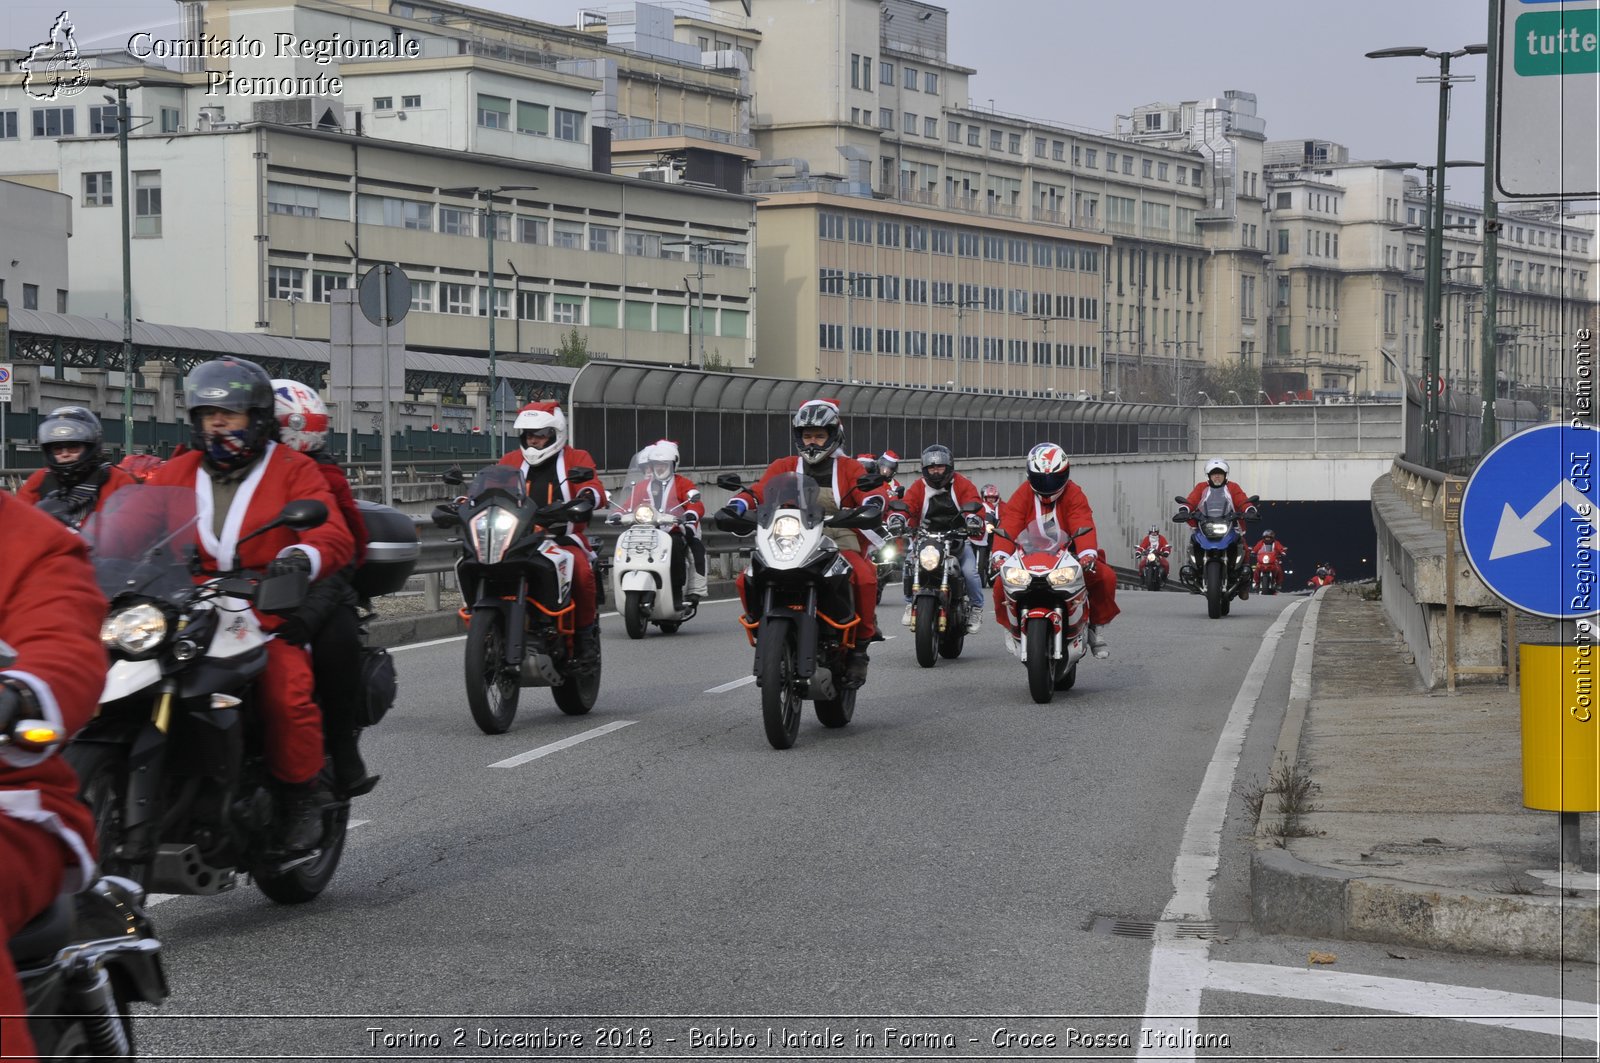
<point>1081,63</point>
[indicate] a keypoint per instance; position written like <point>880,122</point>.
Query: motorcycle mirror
<point>1182,501</point>
<point>1253,499</point>
<point>581,507</point>
<point>897,506</point>
<point>303,514</point>
<point>870,481</point>
<point>1085,530</point>
<point>282,593</point>
<point>444,516</point>
<point>579,474</point>
<point>8,654</point>
<point>452,476</point>
<point>729,481</point>
<point>972,507</point>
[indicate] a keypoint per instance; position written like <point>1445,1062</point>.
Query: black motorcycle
<point>939,602</point>
<point>173,766</point>
<point>84,959</point>
<point>805,607</point>
<point>1151,574</point>
<point>516,583</point>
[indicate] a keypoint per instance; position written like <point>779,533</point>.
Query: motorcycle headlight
<point>1015,575</point>
<point>1216,529</point>
<point>786,531</point>
<point>929,557</point>
<point>887,555</point>
<point>1063,574</point>
<point>135,630</point>
<point>492,531</point>
<point>644,515</point>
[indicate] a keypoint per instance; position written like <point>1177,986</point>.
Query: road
<point>947,867</point>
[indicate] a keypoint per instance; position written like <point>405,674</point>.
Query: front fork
<point>141,813</point>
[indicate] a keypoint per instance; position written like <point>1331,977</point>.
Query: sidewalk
<point>1413,831</point>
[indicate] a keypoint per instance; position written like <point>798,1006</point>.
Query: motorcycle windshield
<point>141,540</point>
<point>1041,537</point>
<point>497,478</point>
<point>645,489</point>
<point>1215,505</point>
<point>793,490</point>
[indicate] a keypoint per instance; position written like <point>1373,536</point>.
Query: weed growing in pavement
<point>1293,789</point>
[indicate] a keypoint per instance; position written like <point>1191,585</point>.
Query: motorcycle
<point>985,549</point>
<point>888,557</point>
<point>83,960</point>
<point>1216,565</point>
<point>939,605</point>
<point>1267,577</point>
<point>641,570</point>
<point>1047,595</point>
<point>1151,574</point>
<point>799,589</point>
<point>516,583</point>
<point>1321,578</point>
<point>173,766</point>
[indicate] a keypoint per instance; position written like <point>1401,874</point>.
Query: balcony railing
<point>644,129</point>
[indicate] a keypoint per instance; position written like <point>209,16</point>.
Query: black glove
<point>288,563</point>
<point>293,630</point>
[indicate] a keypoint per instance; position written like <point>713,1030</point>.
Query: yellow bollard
<point>1560,727</point>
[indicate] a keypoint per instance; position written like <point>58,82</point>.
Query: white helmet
<point>546,419</point>
<point>664,452</point>
<point>302,418</point>
<point>1048,470</point>
<point>1216,465</point>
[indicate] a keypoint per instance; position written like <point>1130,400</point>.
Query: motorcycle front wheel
<point>780,703</point>
<point>925,613</point>
<point>305,882</point>
<point>633,618</point>
<point>492,689</point>
<point>1213,588</point>
<point>1041,669</point>
<point>954,637</point>
<point>103,785</point>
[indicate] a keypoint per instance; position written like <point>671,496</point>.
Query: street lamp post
<point>698,311</point>
<point>851,280</point>
<point>1435,245</point>
<point>961,306</point>
<point>1047,361</point>
<point>123,121</point>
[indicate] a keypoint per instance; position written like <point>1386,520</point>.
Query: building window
<point>409,102</point>
<point>930,128</point>
<point>911,78</point>
<point>97,189</point>
<point>494,112</point>
<point>909,122</point>
<point>102,120</point>
<point>603,239</point>
<point>395,212</point>
<point>147,203</point>
<point>641,244</point>
<point>885,118</point>
<point>455,298</point>
<point>1127,165</point>
<point>422,296</point>
<point>61,300</point>
<point>532,231</point>
<point>568,235</point>
<point>1038,147</point>
<point>53,122</point>
<point>1014,144</point>
<point>453,221</point>
<point>830,226</point>
<point>533,306</point>
<point>974,136</point>
<point>1161,171</point>
<point>1145,167</point>
<point>533,118</point>
<point>383,103</point>
<point>171,120</point>
<point>286,282</point>
<point>323,285</point>
<point>30,297</point>
<point>8,125</point>
<point>930,82</point>
<point>886,73</point>
<point>953,132</point>
<point>567,310</point>
<point>502,302</point>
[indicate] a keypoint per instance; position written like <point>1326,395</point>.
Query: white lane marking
<point>1555,1016</point>
<point>565,743</point>
<point>458,638</point>
<point>162,898</point>
<point>1178,965</point>
<point>725,687</point>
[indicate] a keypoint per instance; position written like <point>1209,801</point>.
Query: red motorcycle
<point>1047,605</point>
<point>1269,572</point>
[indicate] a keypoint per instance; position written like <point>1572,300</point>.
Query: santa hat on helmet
<point>540,416</point>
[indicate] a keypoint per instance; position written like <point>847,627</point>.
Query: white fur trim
<point>222,548</point>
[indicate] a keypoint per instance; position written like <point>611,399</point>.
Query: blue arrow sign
<point>1528,518</point>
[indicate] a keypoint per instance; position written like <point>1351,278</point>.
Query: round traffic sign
<point>383,288</point>
<point>1528,519</point>
<point>1434,386</point>
<point>5,374</point>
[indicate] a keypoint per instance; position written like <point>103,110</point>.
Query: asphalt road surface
<point>939,879</point>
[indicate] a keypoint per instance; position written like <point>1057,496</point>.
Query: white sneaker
<point>908,618</point>
<point>974,620</point>
<point>1097,643</point>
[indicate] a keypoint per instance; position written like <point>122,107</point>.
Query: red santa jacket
<point>919,495</point>
<point>34,487</point>
<point>569,458</point>
<point>1071,510</point>
<point>1236,496</point>
<point>339,484</point>
<point>687,496</point>
<point>50,613</point>
<point>1161,544</point>
<point>278,477</point>
<point>843,472</point>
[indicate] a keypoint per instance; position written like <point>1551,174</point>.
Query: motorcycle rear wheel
<point>1213,589</point>
<point>577,695</point>
<point>492,689</point>
<point>926,615</point>
<point>633,618</point>
<point>836,712</point>
<point>305,882</point>
<point>1041,669</point>
<point>780,703</point>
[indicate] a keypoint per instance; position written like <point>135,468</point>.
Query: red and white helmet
<point>1048,470</point>
<point>302,418</point>
<point>661,459</point>
<point>541,431</point>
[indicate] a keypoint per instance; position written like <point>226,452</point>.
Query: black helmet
<point>818,413</point>
<point>71,424</point>
<point>238,385</point>
<point>938,454</point>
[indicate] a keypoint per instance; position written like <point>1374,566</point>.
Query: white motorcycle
<point>646,589</point>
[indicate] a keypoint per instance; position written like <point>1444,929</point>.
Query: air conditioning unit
<point>317,112</point>
<point>667,175</point>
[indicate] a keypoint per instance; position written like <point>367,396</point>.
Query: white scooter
<point>641,569</point>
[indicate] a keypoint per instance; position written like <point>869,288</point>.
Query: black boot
<point>586,647</point>
<point>350,773</point>
<point>855,669</point>
<point>300,814</point>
